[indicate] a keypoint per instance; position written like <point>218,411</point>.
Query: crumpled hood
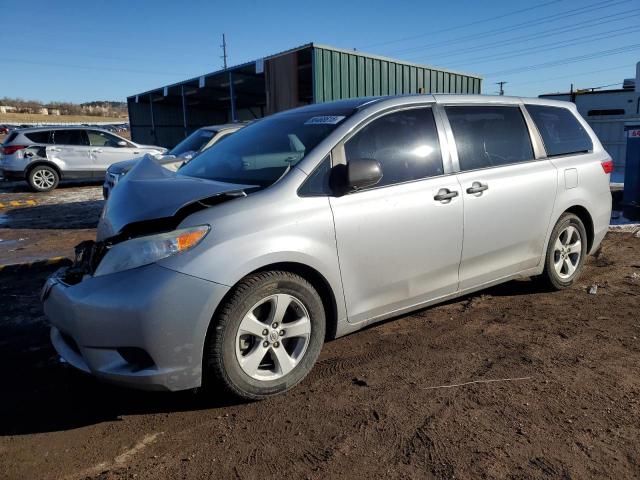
<point>154,147</point>
<point>124,166</point>
<point>150,192</point>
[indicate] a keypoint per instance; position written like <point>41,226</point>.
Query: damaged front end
<point>147,205</point>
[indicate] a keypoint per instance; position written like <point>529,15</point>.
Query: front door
<point>399,242</point>
<point>106,150</point>
<point>508,194</point>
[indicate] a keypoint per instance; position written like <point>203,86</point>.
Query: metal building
<point>300,76</point>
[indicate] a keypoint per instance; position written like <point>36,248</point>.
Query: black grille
<point>88,257</point>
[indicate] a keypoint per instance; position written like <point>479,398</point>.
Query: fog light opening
<point>136,357</point>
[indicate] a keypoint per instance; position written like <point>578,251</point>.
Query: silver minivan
<point>312,223</point>
<point>45,155</point>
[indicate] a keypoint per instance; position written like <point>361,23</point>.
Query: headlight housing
<point>145,250</point>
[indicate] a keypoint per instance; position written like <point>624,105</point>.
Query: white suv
<point>45,155</point>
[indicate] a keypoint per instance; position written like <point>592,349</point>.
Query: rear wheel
<point>266,337</point>
<point>566,252</point>
<point>43,178</point>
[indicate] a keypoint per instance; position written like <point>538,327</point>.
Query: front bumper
<point>150,309</point>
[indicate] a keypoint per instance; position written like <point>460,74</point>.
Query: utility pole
<point>572,94</point>
<point>501,87</point>
<point>224,51</point>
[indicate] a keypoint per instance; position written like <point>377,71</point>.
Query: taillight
<point>9,149</point>
<point>607,166</point>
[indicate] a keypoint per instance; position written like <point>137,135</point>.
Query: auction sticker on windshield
<point>325,120</point>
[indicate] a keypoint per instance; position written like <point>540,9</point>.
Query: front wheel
<point>566,252</point>
<point>266,337</point>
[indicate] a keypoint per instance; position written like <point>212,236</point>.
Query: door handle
<point>477,187</point>
<point>54,149</point>
<point>96,150</point>
<point>445,195</point>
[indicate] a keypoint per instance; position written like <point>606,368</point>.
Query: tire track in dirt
<point>118,462</point>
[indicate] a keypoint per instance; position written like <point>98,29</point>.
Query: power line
<point>602,86</point>
<point>545,33</point>
<point>573,75</point>
<point>564,61</point>
<point>457,27</point>
<point>529,23</point>
<point>88,67</point>
<point>549,46</point>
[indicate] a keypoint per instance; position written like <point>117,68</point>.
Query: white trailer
<point>607,111</point>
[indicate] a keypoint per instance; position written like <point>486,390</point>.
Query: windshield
<point>193,142</point>
<point>262,152</point>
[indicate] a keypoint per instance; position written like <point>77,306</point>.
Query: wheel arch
<point>583,214</point>
<point>313,276</point>
<point>322,286</point>
<point>46,163</point>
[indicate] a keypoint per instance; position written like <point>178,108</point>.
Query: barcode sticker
<point>325,120</point>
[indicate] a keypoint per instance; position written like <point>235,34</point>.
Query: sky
<point>82,51</point>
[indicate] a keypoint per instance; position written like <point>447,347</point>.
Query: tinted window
<point>39,137</point>
<point>561,132</point>
<point>318,182</point>
<point>70,137</point>
<point>405,143</point>
<point>193,142</point>
<point>612,111</point>
<point>489,136</point>
<point>102,139</point>
<point>261,153</point>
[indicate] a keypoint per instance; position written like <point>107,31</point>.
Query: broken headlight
<point>149,249</point>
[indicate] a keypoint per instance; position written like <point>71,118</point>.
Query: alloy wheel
<point>44,179</point>
<point>273,337</point>
<point>567,252</point>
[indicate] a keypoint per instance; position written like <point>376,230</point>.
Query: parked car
<point>45,155</point>
<point>314,222</point>
<point>4,129</point>
<point>195,143</point>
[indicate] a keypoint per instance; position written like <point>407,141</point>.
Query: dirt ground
<point>35,226</point>
<point>379,403</point>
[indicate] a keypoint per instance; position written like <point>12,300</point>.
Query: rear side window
<point>489,136</point>
<point>561,132</point>
<point>405,143</point>
<point>39,137</point>
<point>70,137</point>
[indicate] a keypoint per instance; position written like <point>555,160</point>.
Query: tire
<point>255,360</point>
<point>571,259</point>
<point>43,178</point>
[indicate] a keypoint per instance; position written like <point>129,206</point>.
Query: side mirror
<point>122,143</point>
<point>358,174</point>
<point>363,173</point>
